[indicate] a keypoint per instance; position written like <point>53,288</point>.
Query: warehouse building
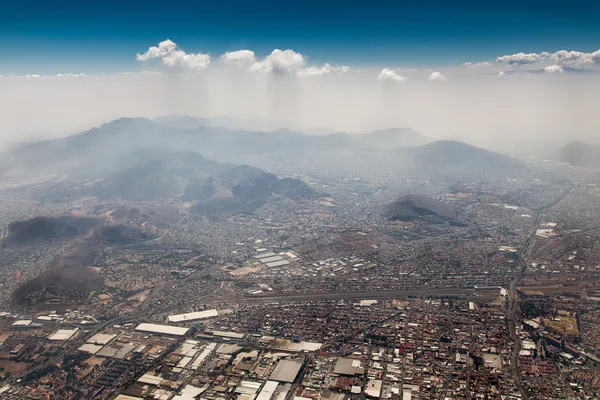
<point>286,371</point>
<point>162,329</point>
<point>193,316</point>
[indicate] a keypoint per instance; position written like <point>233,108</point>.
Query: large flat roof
<point>280,263</point>
<point>162,329</point>
<point>286,371</point>
<point>264,255</point>
<point>193,316</point>
<point>267,390</point>
<point>348,366</point>
<point>270,259</point>
<point>63,334</point>
<point>90,348</point>
<point>101,338</point>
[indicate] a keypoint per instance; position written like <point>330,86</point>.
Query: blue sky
<point>52,36</point>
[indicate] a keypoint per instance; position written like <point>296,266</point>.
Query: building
<point>348,366</point>
<point>286,371</point>
<point>193,316</point>
<point>162,329</point>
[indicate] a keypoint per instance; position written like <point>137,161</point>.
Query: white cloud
<point>483,64</point>
<point>327,69</point>
<point>141,73</point>
<point>554,68</point>
<point>240,58</point>
<point>280,62</point>
<point>69,75</point>
<point>390,74</point>
<point>576,57</point>
<point>171,56</point>
<point>501,73</point>
<point>561,57</point>
<point>437,76</point>
<point>520,58</point>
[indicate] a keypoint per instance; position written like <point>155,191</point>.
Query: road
<point>513,295</point>
<point>478,295</point>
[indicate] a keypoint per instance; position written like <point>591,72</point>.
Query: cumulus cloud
<point>172,56</point>
<point>240,58</point>
<point>501,73</point>
<point>437,76</point>
<point>289,62</point>
<point>327,69</point>
<point>280,62</point>
<point>391,75</point>
<point>575,57</point>
<point>561,57</point>
<point>520,58</point>
<point>70,75</point>
<point>554,68</point>
<point>483,64</point>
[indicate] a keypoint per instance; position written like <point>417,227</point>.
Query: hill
<point>68,277</point>
<point>394,138</point>
<point>44,230</point>
<point>154,174</point>
<point>579,155</point>
<point>242,190</point>
<point>418,207</point>
<point>451,153</point>
<point>448,160</point>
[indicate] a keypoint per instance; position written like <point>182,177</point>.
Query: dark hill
<point>416,207</point>
<point>43,230</point>
<point>242,190</point>
<point>68,278</point>
<point>579,155</point>
<point>123,234</point>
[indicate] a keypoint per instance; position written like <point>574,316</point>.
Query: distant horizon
<point>472,69</point>
<point>498,145</point>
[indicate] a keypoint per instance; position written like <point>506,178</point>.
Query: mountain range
<point>122,144</point>
<point>140,160</point>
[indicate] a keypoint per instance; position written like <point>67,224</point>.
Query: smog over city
<point>296,201</point>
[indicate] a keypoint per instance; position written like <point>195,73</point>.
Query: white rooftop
<point>63,334</point>
<point>162,329</point>
<point>193,316</point>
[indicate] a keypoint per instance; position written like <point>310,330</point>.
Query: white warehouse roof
<point>162,329</point>
<point>63,334</point>
<point>193,316</point>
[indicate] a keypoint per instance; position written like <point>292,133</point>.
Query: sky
<point>369,64</point>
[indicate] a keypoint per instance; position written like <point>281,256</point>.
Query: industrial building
<point>348,366</point>
<point>63,334</point>
<point>162,329</point>
<point>193,316</point>
<point>271,260</point>
<point>286,371</point>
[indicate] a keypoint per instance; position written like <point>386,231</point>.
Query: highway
<point>513,312</point>
<point>486,294</point>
